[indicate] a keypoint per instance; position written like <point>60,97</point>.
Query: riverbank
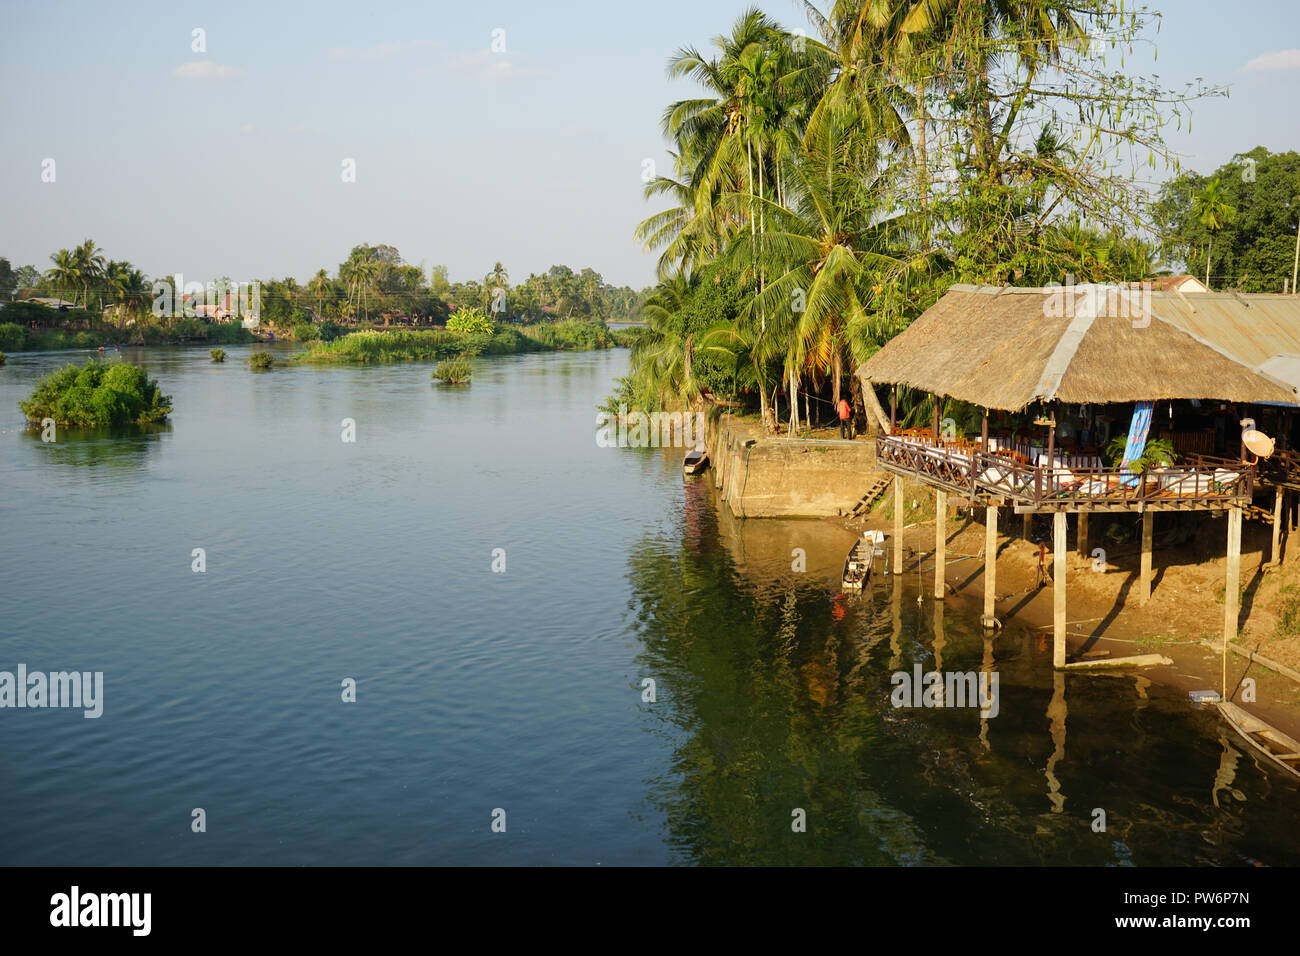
<point>433,345</point>
<point>1182,620</point>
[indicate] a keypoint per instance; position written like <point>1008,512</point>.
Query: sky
<point>232,160</point>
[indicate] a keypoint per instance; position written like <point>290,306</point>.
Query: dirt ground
<point>1105,618</point>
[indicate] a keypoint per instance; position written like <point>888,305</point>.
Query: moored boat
<point>695,461</point>
<point>1280,750</point>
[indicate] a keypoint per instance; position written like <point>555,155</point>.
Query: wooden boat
<point>1281,750</point>
<point>695,461</point>
<point>857,566</point>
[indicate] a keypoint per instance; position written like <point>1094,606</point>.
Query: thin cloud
<point>492,67</point>
<point>367,54</point>
<point>205,70</point>
<point>1274,61</point>
<point>380,51</point>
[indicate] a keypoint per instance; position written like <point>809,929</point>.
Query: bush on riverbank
<point>261,359</point>
<point>97,393</point>
<point>3,358</point>
<point>18,338</point>
<point>454,371</point>
<point>571,334</point>
<point>434,345</point>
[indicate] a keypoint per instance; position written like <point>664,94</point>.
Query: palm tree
<point>319,285</point>
<point>826,254</point>
<point>90,267</point>
<point>1213,212</point>
<point>65,271</point>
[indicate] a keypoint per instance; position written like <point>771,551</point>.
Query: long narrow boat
<point>857,566</point>
<point>1281,750</point>
<point>695,462</point>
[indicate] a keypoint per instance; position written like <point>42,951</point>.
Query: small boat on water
<point>857,566</point>
<point>695,461</point>
<point>1281,750</point>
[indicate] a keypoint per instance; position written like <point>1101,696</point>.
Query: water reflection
<point>117,448</point>
<point>779,699</point>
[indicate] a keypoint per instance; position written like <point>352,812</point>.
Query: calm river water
<point>523,691</point>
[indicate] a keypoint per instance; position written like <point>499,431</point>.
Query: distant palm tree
<point>90,266</point>
<point>1213,213</point>
<point>65,272</point>
<point>319,285</point>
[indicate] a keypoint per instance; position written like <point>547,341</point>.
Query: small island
<point>97,393</point>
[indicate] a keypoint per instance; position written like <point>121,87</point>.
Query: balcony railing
<point>1201,481</point>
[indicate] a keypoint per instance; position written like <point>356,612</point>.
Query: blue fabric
<point>1138,430</point>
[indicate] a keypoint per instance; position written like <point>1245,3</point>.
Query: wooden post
<point>1275,556</point>
<point>1028,533</point>
<point>1081,536</point>
<point>1144,575</point>
<point>898,526</point>
<point>940,541</point>
<point>984,433</point>
<point>1232,587</point>
<point>1058,590</point>
<point>990,564</point>
<point>893,409</point>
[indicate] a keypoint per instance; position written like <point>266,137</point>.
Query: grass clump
<point>453,371</point>
<point>218,355</point>
<point>261,359</point>
<point>97,393</point>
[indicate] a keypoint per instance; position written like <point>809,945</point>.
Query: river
<point>500,589</point>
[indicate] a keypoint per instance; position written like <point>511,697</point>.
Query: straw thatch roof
<point>1007,348</point>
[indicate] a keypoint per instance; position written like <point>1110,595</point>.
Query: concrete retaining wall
<point>761,477</point>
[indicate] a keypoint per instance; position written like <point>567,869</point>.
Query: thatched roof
<point>1007,348</point>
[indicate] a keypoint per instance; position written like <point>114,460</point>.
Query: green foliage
<point>113,393</point>
<point>328,331</point>
<point>453,371</point>
<point>218,355</point>
<point>570,335</point>
<point>1254,246</point>
<point>1158,453</point>
<point>470,322</point>
<point>306,332</point>
<point>12,337</point>
<point>3,358</point>
<point>1288,613</point>
<point>261,359</point>
<point>398,345</point>
<point>230,333</point>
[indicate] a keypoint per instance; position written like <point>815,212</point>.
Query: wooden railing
<point>1200,481</point>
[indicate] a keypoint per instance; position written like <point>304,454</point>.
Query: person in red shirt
<point>846,419</point>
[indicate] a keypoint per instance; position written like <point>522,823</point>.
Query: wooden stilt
<point>1028,533</point>
<point>1144,576</point>
<point>1275,556</point>
<point>990,565</point>
<point>940,541</point>
<point>1081,537</point>
<point>1058,590</point>
<point>898,525</point>
<point>1232,588</point>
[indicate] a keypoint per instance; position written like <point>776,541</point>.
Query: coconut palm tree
<point>90,267</point>
<point>65,272</point>
<point>319,286</point>
<point>1212,212</point>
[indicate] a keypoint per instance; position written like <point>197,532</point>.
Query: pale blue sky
<point>463,156</point>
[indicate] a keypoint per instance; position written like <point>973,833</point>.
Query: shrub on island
<point>453,371</point>
<point>261,359</point>
<point>97,393</point>
<point>218,355</point>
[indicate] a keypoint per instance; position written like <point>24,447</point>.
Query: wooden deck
<point>1201,484</point>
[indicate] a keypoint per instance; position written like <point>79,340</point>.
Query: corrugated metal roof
<point>1260,330</point>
